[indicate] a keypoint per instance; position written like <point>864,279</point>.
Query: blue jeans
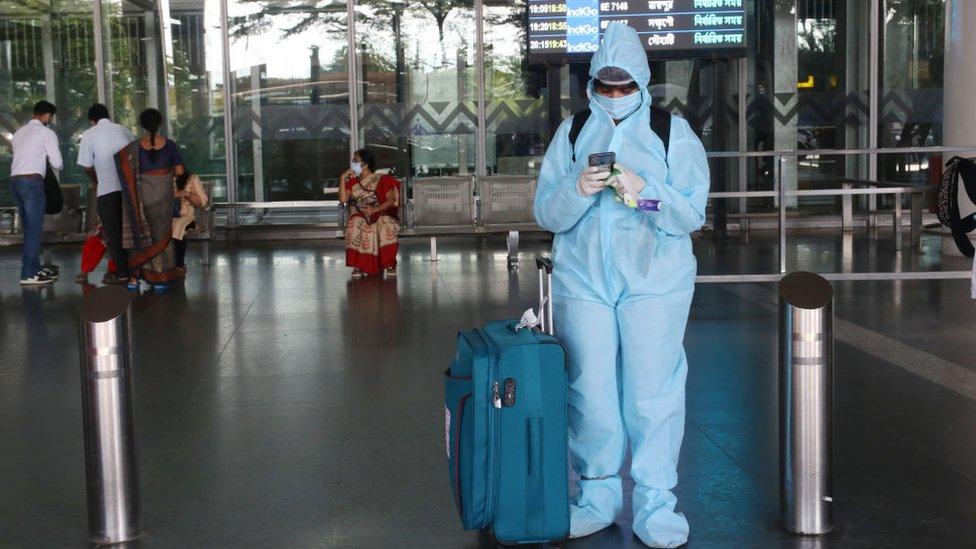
<point>29,195</point>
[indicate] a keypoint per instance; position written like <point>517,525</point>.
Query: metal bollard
<point>104,322</point>
<point>806,357</point>
<point>433,249</point>
<point>513,250</point>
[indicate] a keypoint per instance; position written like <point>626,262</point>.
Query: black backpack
<point>660,124</point>
<point>948,203</point>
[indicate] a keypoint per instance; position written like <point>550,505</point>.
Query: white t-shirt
<point>34,145</point>
<point>98,147</point>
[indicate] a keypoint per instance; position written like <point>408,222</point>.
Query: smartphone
<point>603,159</point>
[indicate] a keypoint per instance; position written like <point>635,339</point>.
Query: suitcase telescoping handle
<point>545,293</point>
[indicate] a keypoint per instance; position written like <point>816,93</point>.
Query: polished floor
<point>279,404</point>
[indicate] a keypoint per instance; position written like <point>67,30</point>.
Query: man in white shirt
<point>99,144</point>
<point>35,145</point>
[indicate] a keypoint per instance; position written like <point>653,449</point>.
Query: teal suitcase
<point>506,430</point>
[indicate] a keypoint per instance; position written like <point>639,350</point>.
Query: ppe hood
<point>621,47</point>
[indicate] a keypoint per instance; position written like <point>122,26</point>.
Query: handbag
<point>948,201</point>
<point>367,201</point>
<point>52,192</point>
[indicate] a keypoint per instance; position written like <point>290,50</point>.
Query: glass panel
<point>416,68</point>
<point>703,92</point>
<point>518,131</point>
<point>196,112</point>
<point>135,79</point>
<point>47,51</point>
<point>808,89</point>
<point>913,48</point>
<point>291,103</point>
<point>131,61</point>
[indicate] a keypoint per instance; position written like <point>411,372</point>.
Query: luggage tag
<point>528,320</point>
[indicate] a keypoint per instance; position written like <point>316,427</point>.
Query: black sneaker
<point>37,280</point>
<point>52,271</point>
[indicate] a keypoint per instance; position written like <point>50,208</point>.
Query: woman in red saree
<point>373,202</point>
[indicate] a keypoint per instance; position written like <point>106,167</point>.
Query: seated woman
<point>373,204</point>
<point>147,168</point>
<point>188,195</point>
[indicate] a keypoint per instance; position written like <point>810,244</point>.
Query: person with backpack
<point>623,281</point>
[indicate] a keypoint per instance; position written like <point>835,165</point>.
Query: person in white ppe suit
<point>623,282</point>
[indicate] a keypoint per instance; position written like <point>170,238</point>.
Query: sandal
<point>356,273</point>
<point>391,273</point>
<point>112,280</point>
<point>81,278</point>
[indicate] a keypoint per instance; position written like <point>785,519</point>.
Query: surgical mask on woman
<point>619,107</point>
<point>356,167</point>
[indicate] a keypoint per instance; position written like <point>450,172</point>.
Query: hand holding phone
<point>604,159</point>
<point>593,179</point>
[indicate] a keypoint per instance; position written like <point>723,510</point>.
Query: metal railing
<point>781,193</point>
<point>849,188</point>
<point>837,152</point>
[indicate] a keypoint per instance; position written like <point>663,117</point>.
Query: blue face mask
<point>620,107</point>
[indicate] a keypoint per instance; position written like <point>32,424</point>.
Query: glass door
<point>47,51</point>
<point>175,68</point>
<point>290,103</point>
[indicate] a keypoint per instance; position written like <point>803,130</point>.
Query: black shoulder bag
<point>52,191</point>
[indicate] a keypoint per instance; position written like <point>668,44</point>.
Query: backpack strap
<point>579,120</point>
<point>660,124</point>
<point>950,178</point>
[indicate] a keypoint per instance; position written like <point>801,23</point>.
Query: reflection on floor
<point>280,404</point>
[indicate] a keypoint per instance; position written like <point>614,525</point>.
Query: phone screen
<point>603,159</point>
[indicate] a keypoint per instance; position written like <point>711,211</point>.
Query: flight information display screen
<point>667,28</point>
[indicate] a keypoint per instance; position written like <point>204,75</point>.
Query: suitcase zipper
<point>457,455</point>
<point>493,428</point>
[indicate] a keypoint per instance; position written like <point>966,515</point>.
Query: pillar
<point>959,117</point>
<point>784,90</point>
<point>257,145</point>
<point>857,81</point>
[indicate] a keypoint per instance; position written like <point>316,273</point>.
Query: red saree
<point>371,241</point>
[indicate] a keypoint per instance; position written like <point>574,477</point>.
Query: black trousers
<point>110,212</point>
<point>179,248</point>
